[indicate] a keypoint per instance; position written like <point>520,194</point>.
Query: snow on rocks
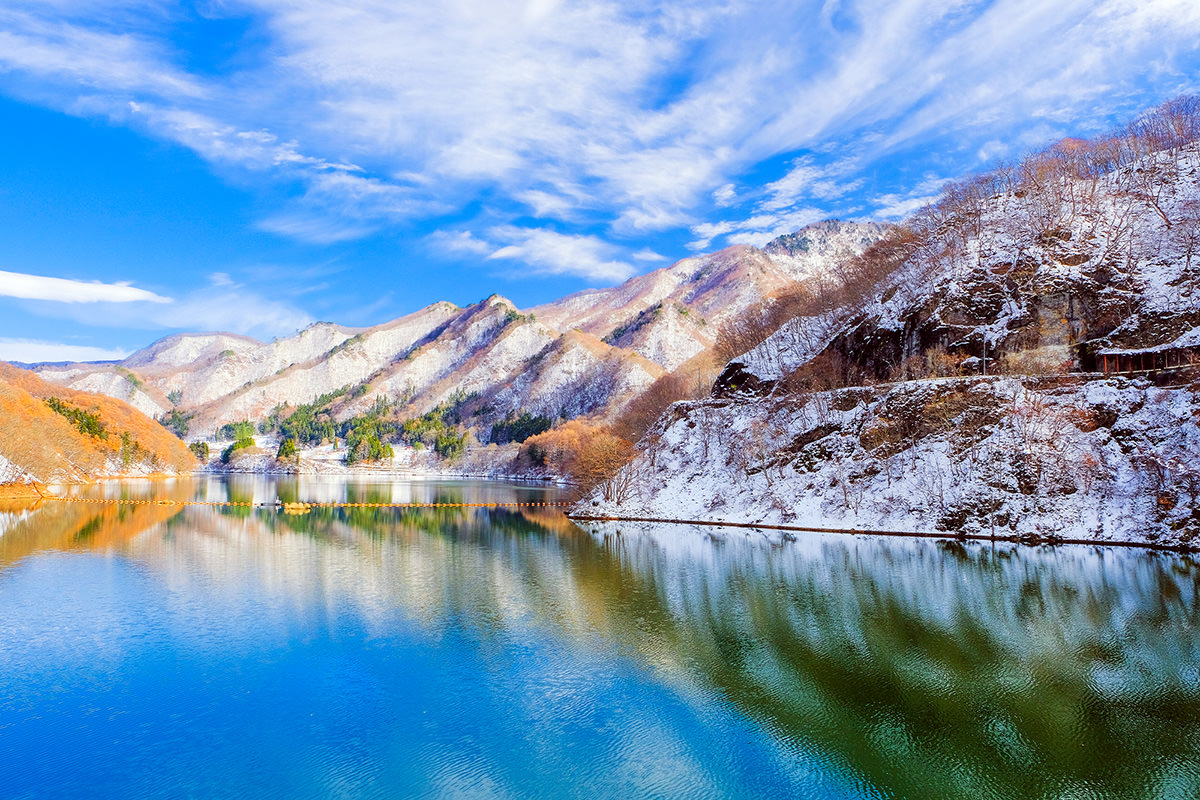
<point>1104,460</point>
<point>10,473</point>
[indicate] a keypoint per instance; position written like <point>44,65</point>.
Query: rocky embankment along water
<point>1078,458</point>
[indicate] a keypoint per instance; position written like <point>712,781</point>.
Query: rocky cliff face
<point>586,354</point>
<point>1046,266</point>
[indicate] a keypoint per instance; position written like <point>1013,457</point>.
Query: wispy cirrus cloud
<point>541,251</point>
<point>762,228</point>
<point>64,290</point>
<point>896,206</point>
<point>807,181</point>
<point>548,252</point>
<point>234,309</point>
<point>609,115</point>
<point>649,256</point>
<point>89,47</point>
<point>784,205</point>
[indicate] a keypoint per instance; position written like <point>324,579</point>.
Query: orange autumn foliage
<point>588,454</point>
<point>51,448</point>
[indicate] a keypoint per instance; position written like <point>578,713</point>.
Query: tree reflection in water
<point>910,668</point>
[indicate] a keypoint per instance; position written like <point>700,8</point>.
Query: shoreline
<point>1030,540</point>
<point>42,490</point>
<point>396,472</point>
<point>25,491</point>
<point>22,491</point>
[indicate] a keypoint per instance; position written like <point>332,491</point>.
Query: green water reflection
<point>914,668</point>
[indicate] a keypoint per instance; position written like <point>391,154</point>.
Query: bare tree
<point>1186,232</point>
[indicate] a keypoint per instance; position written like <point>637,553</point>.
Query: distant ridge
<point>514,361</point>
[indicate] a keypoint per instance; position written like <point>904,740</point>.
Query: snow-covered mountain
<point>880,406</point>
<point>586,354</point>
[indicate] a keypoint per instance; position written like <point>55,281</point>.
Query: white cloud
<point>460,242</point>
<point>547,252</point>
<point>222,305</point>
<point>707,231</point>
<point>894,206</point>
<point>646,254</point>
<point>316,228</point>
<point>806,181</point>
<point>649,217</point>
<point>762,228</point>
<point>64,290</point>
<point>40,43</point>
<point>549,205</point>
<point>235,310</point>
<point>31,351</point>
<point>223,143</point>
<point>610,112</point>
<point>725,195</point>
<point>796,183</point>
<point>930,185</point>
<point>757,229</point>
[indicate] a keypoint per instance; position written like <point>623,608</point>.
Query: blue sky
<point>257,165</point>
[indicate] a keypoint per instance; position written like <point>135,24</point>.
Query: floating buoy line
<point>297,508</point>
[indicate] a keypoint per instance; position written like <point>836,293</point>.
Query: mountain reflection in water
<point>161,650</point>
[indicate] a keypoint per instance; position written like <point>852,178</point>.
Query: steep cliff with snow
<point>1049,265</point>
<point>1106,460</point>
<point>1057,273</point>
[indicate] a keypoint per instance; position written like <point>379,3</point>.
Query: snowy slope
<point>1000,268</point>
<point>1109,460</point>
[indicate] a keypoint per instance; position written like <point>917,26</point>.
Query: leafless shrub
<point>745,332</point>
<point>1054,360</point>
<point>644,409</point>
<point>599,464</point>
<point>1186,233</point>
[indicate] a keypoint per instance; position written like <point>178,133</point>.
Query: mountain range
<point>587,354</point>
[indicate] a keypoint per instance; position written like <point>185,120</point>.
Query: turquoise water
<point>154,651</point>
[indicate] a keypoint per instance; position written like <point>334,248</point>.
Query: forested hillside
<point>51,433</point>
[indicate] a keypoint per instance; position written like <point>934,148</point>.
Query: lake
<point>153,650</point>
